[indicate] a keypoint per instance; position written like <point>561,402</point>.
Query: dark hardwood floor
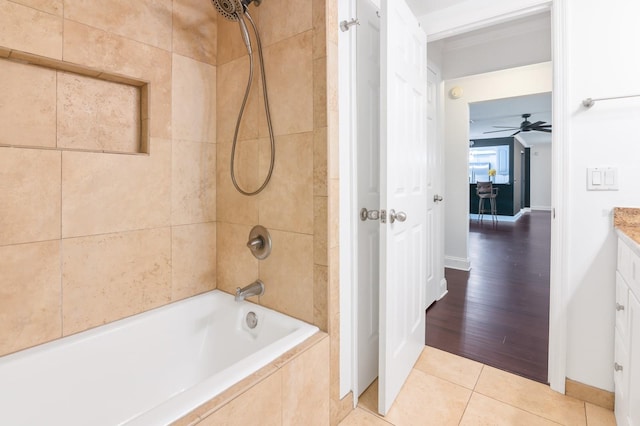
<point>498,313</point>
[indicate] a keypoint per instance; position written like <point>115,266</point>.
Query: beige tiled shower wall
<point>300,205</point>
<point>294,205</point>
<point>87,238</point>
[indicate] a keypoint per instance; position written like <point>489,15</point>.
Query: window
<point>485,158</point>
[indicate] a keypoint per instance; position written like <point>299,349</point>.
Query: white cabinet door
<point>633,363</point>
<point>622,302</point>
<point>620,379</point>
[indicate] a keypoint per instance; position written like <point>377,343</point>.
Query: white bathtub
<point>149,369</point>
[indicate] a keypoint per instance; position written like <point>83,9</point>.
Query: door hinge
<point>346,25</point>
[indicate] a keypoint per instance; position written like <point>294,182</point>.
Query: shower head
<point>230,9</point>
<point>233,9</point>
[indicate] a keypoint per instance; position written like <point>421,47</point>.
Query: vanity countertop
<point>627,221</point>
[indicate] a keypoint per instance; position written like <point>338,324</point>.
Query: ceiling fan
<point>525,126</point>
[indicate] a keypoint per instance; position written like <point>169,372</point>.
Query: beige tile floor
<point>445,389</point>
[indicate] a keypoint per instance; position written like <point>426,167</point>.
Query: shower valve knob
<point>259,242</point>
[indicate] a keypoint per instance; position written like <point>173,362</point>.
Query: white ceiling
<point>508,112</point>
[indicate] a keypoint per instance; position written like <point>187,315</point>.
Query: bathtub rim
<point>237,390</point>
<point>254,363</point>
<point>304,333</point>
<point>115,325</point>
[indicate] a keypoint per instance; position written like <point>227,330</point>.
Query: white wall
<point>601,38</point>
<point>496,85</point>
<point>540,179</point>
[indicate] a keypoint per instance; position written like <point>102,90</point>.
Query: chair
<point>485,190</point>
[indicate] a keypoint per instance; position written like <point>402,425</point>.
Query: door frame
<point>560,181</point>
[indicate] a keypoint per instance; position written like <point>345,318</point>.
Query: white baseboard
<point>442,295</point>
<point>487,217</point>
<point>443,288</point>
<point>457,263</point>
<point>542,208</point>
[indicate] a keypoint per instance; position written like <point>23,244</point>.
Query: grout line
<point>128,231</point>
<point>478,378</point>
<point>281,392</point>
<point>466,406</point>
<point>63,25</point>
<point>173,12</point>
<point>586,418</point>
<point>363,409</point>
<point>519,408</point>
<point>515,406</point>
<point>60,244</point>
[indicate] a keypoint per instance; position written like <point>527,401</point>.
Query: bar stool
<point>486,191</point>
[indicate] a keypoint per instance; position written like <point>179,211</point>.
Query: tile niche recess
<point>51,104</point>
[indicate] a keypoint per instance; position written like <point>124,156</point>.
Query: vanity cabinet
<point>627,333</point>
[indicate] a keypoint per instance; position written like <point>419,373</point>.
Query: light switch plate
<point>602,178</point>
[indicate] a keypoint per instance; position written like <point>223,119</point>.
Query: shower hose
<point>241,113</point>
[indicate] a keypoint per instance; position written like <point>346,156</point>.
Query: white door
<point>434,262</point>
<point>368,171</point>
<point>403,244</point>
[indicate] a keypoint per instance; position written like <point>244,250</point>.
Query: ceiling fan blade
<point>496,131</point>
<point>505,127</point>
<point>516,133</point>
<point>536,124</point>
<point>543,130</point>
<point>544,125</point>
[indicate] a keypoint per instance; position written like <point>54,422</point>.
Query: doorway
<point>483,257</point>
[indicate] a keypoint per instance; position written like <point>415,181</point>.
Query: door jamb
<point>559,187</point>
<point>348,204</point>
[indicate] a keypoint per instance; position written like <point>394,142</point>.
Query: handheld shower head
<point>230,9</point>
<point>233,11</point>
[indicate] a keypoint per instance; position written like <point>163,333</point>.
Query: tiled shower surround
<point>88,237</point>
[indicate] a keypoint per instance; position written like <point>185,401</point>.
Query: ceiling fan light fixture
<point>526,126</point>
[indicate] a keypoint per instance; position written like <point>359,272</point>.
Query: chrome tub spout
<point>256,288</point>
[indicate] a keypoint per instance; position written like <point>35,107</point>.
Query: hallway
<point>498,313</point>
